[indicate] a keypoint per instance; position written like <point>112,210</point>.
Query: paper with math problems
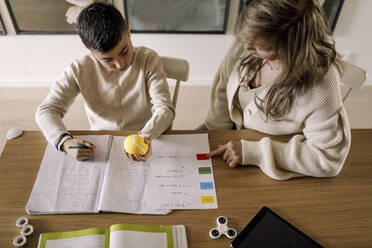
<point>125,182</point>
<point>65,185</point>
<point>180,175</point>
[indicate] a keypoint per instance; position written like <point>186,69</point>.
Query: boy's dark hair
<point>100,27</point>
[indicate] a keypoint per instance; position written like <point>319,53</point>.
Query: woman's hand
<point>232,153</point>
<point>81,3</point>
<point>73,12</point>
<point>144,157</point>
<point>85,152</point>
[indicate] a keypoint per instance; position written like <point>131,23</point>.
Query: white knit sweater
<point>318,122</point>
<point>137,98</point>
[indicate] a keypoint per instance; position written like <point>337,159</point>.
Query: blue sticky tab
<point>206,185</point>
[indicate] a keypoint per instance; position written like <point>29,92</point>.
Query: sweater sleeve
<point>218,116</point>
<point>50,112</point>
<point>320,151</point>
<point>162,109</point>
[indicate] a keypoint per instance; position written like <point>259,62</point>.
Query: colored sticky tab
<point>202,156</point>
<point>206,185</point>
<point>205,170</point>
<point>207,199</point>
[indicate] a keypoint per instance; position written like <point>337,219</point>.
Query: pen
<point>78,147</point>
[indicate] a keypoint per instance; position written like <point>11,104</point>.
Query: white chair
<point>353,78</point>
<point>177,69</point>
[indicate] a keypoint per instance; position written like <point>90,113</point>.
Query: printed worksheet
<point>180,174</point>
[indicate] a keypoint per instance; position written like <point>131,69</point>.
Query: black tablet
<point>267,229</point>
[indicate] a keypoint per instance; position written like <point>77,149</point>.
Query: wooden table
<point>336,212</point>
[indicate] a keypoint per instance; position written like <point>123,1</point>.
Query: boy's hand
<point>144,157</point>
<point>70,146</point>
<point>232,153</point>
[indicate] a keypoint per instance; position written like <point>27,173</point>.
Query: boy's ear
<point>128,29</point>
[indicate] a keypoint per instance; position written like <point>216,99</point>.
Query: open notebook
<point>118,236</point>
<point>176,176</point>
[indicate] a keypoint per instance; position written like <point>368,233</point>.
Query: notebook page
<point>91,241</point>
<point>138,236</point>
<point>179,236</point>
<point>65,185</point>
<point>86,238</point>
<point>124,181</point>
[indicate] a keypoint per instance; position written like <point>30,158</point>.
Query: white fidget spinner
<point>222,228</point>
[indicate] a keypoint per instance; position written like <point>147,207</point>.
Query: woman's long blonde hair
<point>299,36</point>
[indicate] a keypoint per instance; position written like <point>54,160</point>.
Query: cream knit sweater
<point>136,99</point>
<point>318,122</point>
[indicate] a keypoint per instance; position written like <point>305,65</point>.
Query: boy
<point>124,87</point>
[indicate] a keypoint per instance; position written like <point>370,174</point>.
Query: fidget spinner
<point>222,228</point>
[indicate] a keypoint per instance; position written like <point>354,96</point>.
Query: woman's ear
<point>128,29</point>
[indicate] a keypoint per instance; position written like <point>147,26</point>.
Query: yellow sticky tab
<point>207,199</point>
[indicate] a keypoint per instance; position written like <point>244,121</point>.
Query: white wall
<point>37,60</point>
<point>353,34</point>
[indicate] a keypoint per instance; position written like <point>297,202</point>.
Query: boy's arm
<point>50,112</point>
<point>158,89</point>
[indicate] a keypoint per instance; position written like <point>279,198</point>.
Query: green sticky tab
<point>205,170</point>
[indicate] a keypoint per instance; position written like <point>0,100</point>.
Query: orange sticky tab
<point>207,199</point>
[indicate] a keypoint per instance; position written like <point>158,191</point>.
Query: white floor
<point>18,105</point>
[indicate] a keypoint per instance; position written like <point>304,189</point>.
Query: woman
<point>282,77</point>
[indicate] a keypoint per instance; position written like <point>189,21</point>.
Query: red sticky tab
<point>202,156</point>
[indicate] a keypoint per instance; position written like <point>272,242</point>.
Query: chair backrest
<point>177,69</point>
<point>354,77</point>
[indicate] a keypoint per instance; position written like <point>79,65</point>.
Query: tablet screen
<point>268,229</point>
